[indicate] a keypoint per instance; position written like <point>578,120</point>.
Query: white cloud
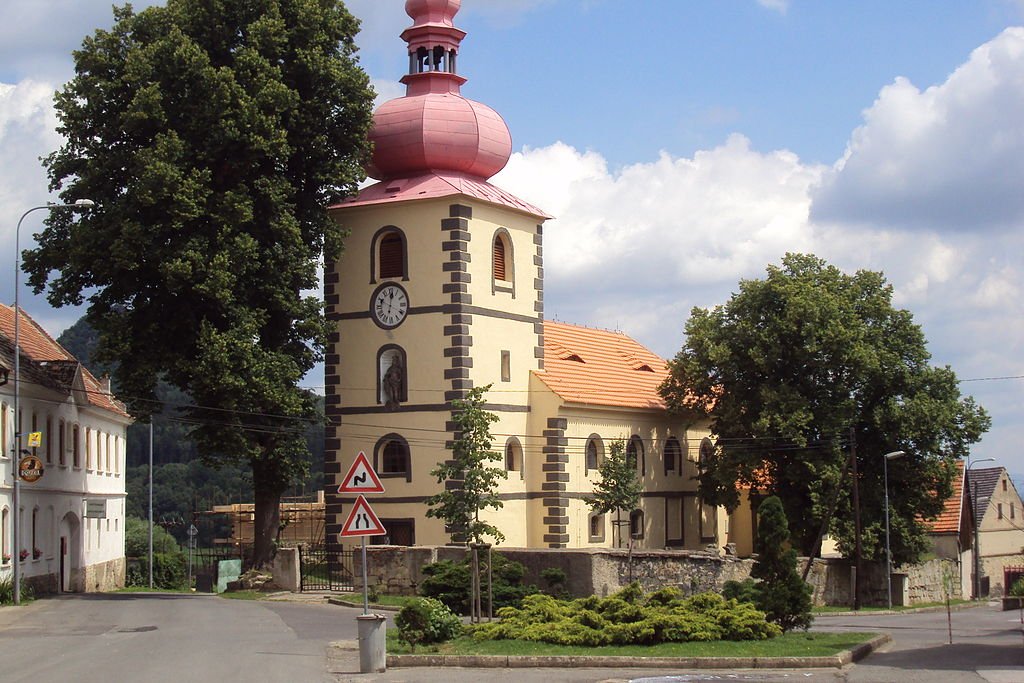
<point>950,157</point>
<point>780,6</point>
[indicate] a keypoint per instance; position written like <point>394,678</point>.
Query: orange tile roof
<point>600,367</point>
<point>948,521</point>
<point>38,346</point>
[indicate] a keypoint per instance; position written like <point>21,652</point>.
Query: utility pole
<point>856,520</point>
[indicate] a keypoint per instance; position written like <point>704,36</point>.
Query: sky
<point>685,145</point>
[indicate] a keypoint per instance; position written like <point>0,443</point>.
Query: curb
<point>911,610</point>
<point>836,661</point>
<point>345,603</point>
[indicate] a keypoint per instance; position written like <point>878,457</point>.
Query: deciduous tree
<point>617,488</point>
<point>474,484</point>
<point>211,134</point>
<point>788,366</point>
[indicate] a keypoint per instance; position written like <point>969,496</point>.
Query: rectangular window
<point>674,521</point>
<point>596,531</point>
<point>46,440</point>
<point>999,510</point>
<point>506,366</point>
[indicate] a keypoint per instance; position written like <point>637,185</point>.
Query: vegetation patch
<point>798,644</point>
<point>628,617</point>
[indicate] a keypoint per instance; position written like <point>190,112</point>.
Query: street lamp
<point>16,554</point>
<point>888,553</point>
<point>976,520</point>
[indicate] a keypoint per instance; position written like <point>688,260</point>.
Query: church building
<point>440,290</point>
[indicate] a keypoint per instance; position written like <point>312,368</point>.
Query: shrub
<point>556,579</point>
<point>741,591</point>
<point>448,582</point>
<point>425,620</point>
<point>168,572</point>
<point>136,538</point>
<point>1017,589</point>
<point>7,591</point>
<point>629,617</point>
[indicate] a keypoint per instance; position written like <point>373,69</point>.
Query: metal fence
<point>326,568</point>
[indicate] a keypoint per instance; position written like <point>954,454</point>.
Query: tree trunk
<point>267,514</point>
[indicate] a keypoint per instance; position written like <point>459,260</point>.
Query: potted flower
<point>6,558</point>
<point>36,553</point>
<point>23,554</point>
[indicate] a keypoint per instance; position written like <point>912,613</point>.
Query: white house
<point>71,520</point>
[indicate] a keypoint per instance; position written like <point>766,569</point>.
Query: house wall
<point>1001,534</point>
<point>95,547</point>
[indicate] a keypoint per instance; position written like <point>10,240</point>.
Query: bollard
<point>372,643</point>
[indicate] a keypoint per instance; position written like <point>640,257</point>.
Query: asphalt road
<point>167,637</point>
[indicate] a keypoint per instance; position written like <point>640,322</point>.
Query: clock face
<point>389,305</point>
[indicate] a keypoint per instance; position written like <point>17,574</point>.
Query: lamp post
<point>16,551</point>
<point>888,553</point>
<point>976,520</point>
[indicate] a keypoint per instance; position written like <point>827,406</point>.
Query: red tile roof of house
<point>948,521</point>
<point>600,367</point>
<point>39,347</point>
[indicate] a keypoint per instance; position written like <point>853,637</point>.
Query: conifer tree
<point>782,595</point>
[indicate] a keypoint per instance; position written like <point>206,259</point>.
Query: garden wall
<point>398,569</point>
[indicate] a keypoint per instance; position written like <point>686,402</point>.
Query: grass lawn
<point>798,644</point>
<point>244,595</point>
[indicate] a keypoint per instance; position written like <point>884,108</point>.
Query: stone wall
<point>104,576</point>
<point>399,570</point>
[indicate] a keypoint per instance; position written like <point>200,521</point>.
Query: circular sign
<point>30,468</point>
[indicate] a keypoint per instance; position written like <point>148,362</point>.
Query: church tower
<point>439,290</point>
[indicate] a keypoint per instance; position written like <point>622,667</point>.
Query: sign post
<point>362,521</point>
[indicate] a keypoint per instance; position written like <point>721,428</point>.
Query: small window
<point>1004,484</point>
<point>999,510</point>
<point>594,449</point>
<point>1013,514</point>
<point>4,431</point>
<point>596,524</point>
<point>673,456</point>
<point>636,524</point>
<point>391,457</point>
<point>707,452</point>
<point>514,456</point>
<point>76,458</point>
<point>394,459</point>
<point>88,449</point>
<point>61,445</point>
<point>506,366</point>
<point>46,440</point>
<point>500,272</point>
<point>635,454</point>
<point>391,254</point>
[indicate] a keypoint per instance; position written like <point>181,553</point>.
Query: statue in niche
<point>393,381</point>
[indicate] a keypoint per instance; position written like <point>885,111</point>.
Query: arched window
<point>636,524</point>
<point>392,376</point>
<point>595,452</point>
<point>76,457</point>
<point>514,456</point>
<point>706,453</point>
<point>5,544</point>
<point>673,456</point>
<point>61,444</point>
<point>501,261</point>
<point>596,524</point>
<point>389,257</point>
<point>635,454</point>
<point>391,457</point>
<point>46,440</point>
<point>4,431</point>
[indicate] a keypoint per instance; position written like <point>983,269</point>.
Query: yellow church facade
<point>440,290</point>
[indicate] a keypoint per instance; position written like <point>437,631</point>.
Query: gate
<point>326,568</point>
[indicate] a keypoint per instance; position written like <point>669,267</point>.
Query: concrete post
<point>372,643</point>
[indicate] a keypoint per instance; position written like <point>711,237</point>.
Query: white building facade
<point>71,520</point>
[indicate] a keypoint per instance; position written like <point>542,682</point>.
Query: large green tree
<point>211,134</point>
<point>792,367</point>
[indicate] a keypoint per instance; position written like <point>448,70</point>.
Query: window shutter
<point>392,261</point>
<point>499,258</point>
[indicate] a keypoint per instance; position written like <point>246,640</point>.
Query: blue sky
<point>688,144</point>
